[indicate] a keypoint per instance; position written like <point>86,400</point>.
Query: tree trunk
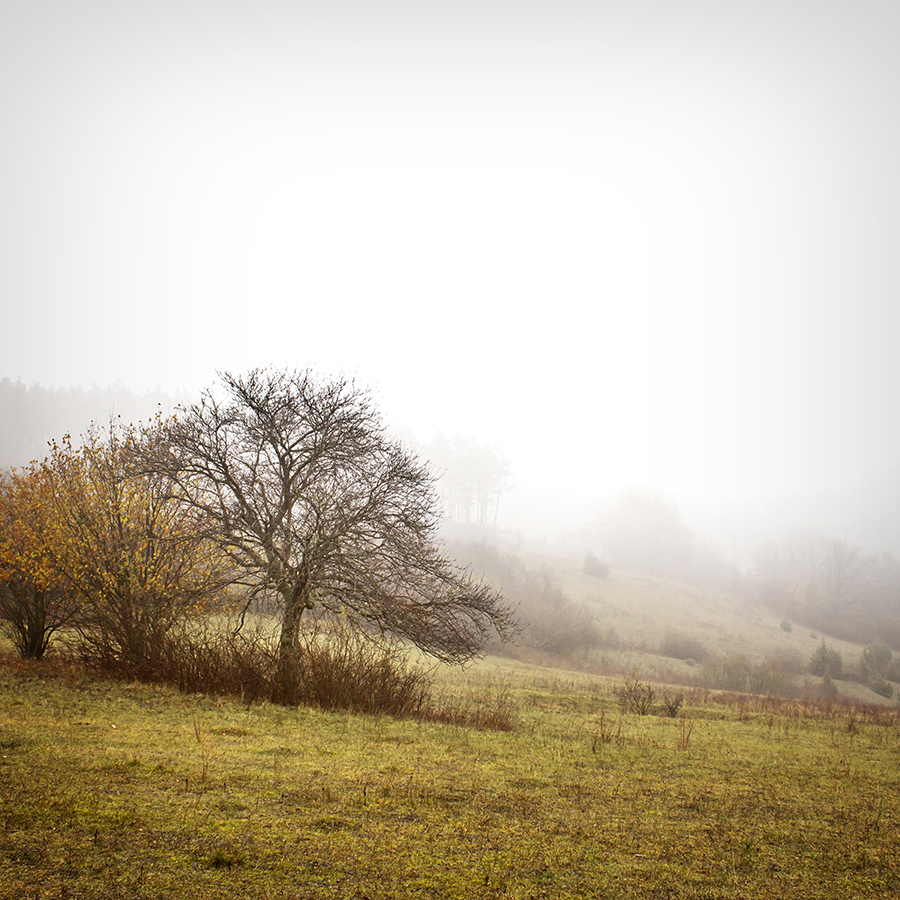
<point>290,626</point>
<point>287,676</point>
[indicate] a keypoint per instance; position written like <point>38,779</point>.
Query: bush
<point>336,668</point>
<point>215,658</point>
<point>341,669</point>
<point>733,672</point>
<point>672,703</point>
<point>593,565</point>
<point>635,695</point>
<point>35,599</point>
<point>677,645</point>
<point>880,686</point>
<point>875,660</point>
<point>772,676</point>
<point>826,661</point>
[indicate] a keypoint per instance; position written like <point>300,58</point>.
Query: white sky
<point>632,241</point>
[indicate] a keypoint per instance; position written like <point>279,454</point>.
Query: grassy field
<point>113,790</point>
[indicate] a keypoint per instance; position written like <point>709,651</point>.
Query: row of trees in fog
<point>474,476</point>
<point>830,584</point>
<point>641,529</point>
<point>275,486</point>
<point>31,416</point>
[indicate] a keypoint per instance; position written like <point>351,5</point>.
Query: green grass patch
<point>112,790</point>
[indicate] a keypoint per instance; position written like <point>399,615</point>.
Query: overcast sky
<point>649,242</point>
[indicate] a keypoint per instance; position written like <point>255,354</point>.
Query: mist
<point>625,244</point>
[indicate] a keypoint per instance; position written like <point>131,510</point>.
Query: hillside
<point>675,633</point>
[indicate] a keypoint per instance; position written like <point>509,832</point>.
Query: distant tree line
<point>830,584</point>
<point>641,529</point>
<point>31,416</point>
<point>473,477</point>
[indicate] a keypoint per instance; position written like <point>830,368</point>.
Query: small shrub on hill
<point>677,645</point>
<point>737,673</point>
<point>593,565</point>
<point>875,660</point>
<point>826,661</point>
<point>635,695</point>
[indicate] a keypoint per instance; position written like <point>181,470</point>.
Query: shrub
<point>342,669</point>
<point>135,560</point>
<point>36,601</point>
<point>826,661</point>
<point>677,645</point>
<point>875,660</point>
<point>635,695</point>
<point>772,676</point>
<point>593,565</point>
<point>880,686</point>
<point>215,658</point>
<point>786,625</point>
<point>672,703</point>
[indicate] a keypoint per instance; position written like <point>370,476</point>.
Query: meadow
<point>127,790</point>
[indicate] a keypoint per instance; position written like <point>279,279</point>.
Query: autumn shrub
<point>335,668</point>
<point>215,658</point>
<point>36,601</point>
<point>126,550</point>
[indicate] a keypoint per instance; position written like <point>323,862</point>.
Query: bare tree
<point>314,504</point>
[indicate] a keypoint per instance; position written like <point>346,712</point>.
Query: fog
<point>642,242</point>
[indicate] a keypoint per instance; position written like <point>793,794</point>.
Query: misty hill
<point>669,631</point>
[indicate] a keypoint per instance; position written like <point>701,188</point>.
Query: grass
<point>114,790</point>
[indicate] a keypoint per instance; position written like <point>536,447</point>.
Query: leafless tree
<point>840,569</point>
<point>315,505</point>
